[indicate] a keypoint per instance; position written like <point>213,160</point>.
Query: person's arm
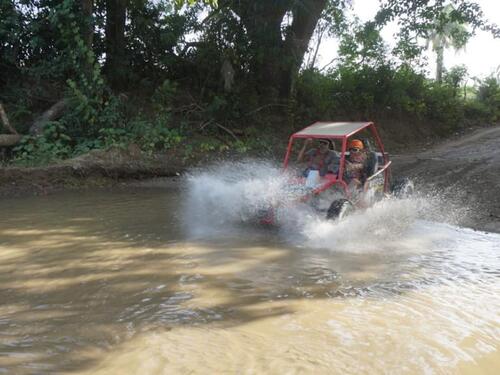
<point>300,157</point>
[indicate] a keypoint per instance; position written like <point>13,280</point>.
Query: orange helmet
<point>355,143</point>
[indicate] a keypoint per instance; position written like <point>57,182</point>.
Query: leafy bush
<point>55,144</point>
<point>163,96</point>
<point>316,94</point>
<point>477,111</point>
<point>52,145</point>
<point>367,92</point>
<point>154,136</point>
<point>455,77</point>
<point>443,107</point>
<point>488,94</point>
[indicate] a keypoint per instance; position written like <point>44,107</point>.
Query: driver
<point>318,158</point>
<point>355,163</point>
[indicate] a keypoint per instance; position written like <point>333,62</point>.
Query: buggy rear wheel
<point>339,209</point>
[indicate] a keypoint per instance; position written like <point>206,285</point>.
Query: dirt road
<point>465,170</point>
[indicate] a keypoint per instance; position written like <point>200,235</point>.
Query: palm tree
<point>444,33</point>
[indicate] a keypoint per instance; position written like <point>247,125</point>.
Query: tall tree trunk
<point>312,62</point>
<point>88,32</point>
<point>116,64</point>
<point>305,18</point>
<point>277,60</point>
<point>5,120</point>
<point>262,20</point>
<point>53,113</point>
<point>439,63</point>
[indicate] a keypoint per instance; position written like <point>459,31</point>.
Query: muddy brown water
<point>113,283</point>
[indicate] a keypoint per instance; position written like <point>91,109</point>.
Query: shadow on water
<point>82,274</point>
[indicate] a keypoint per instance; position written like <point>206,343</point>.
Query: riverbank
<point>96,169</point>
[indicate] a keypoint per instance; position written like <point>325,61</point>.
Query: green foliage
<point>488,95</point>
<point>164,96</point>
<point>362,45</point>
<point>444,32</point>
<point>91,107</point>
<point>150,135</point>
<point>362,92</point>
<point>52,145</point>
<point>153,38</point>
<point>10,31</point>
<point>477,111</point>
<point>155,136</point>
<point>115,137</point>
<point>417,17</point>
<point>316,93</point>
<point>371,92</point>
<point>180,3</point>
<point>455,77</point>
<point>203,68</point>
<point>443,107</point>
<point>85,145</point>
<point>55,144</point>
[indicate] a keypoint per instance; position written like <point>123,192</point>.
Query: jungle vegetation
<point>78,75</point>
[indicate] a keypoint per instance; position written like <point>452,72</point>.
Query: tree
<point>180,3</point>
<point>116,62</point>
<point>117,59</point>
<point>361,44</point>
<point>455,77</point>
<point>489,94</point>
<point>430,18</point>
<point>88,31</point>
<point>331,24</point>
<point>278,50</point>
<point>444,33</point>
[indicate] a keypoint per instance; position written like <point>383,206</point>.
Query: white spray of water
<point>224,195</point>
<point>221,198</point>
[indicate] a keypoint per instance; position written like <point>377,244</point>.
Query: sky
<point>481,56</point>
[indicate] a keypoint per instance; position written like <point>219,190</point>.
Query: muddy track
<point>464,170</point>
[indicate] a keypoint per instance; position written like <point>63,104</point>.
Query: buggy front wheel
<point>403,188</point>
<point>339,209</point>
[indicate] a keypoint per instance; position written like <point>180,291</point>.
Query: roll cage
<point>341,131</point>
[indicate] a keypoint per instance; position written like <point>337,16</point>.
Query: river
<point>124,281</point>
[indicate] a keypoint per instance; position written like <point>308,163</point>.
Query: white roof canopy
<point>332,129</point>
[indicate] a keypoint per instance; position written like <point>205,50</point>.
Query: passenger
<point>355,170</point>
<point>319,158</point>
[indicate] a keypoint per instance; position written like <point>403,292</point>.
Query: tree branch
<point>321,31</point>
<point>330,63</point>
<point>53,113</point>
<point>5,120</point>
<point>9,139</point>
<point>264,106</point>
<point>228,131</point>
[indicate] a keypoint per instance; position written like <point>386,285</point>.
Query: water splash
<point>219,199</point>
<point>224,195</point>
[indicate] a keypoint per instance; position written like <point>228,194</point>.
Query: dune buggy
<point>332,192</point>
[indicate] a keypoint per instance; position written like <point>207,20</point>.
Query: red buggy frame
<point>341,131</point>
